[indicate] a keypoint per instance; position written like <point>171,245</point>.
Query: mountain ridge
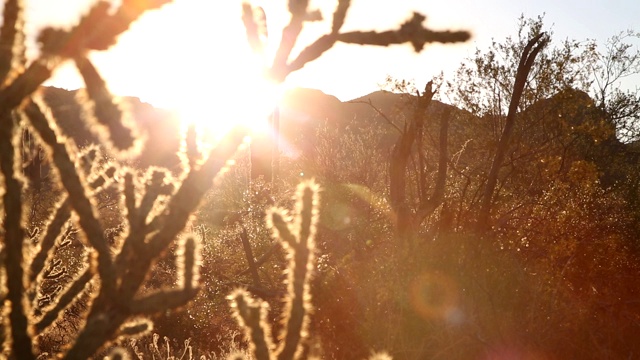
<point>302,110</point>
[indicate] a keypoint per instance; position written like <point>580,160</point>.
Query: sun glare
<point>223,86</point>
<point>248,102</point>
<point>191,58</point>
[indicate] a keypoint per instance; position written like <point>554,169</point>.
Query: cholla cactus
<point>283,63</point>
<point>115,275</point>
<point>255,19</point>
<point>297,235</point>
<point>116,307</point>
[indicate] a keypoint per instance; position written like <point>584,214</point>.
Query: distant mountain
<point>568,119</point>
<point>160,127</point>
<point>303,110</point>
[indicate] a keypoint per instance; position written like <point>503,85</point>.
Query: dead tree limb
<point>407,220</point>
<point>524,67</point>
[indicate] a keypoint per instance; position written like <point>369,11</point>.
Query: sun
<point>248,101</point>
<point>221,84</point>
<point>192,58</point>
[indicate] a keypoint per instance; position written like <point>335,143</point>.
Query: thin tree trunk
<point>260,149</point>
<point>275,150</point>
<point>246,245</point>
<point>406,220</point>
<point>524,67</point>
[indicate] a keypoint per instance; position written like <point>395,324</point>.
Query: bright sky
<point>194,50</point>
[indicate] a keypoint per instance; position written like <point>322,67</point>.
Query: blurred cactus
<point>255,20</point>
<point>112,278</point>
<point>155,206</point>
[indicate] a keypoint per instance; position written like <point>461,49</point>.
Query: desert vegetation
<point>490,215</point>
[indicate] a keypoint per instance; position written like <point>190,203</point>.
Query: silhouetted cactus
<point>114,274</point>
<point>282,64</point>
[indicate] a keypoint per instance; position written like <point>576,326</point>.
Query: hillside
<point>154,124</point>
<point>303,110</point>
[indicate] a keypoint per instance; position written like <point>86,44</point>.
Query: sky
<point>194,50</point>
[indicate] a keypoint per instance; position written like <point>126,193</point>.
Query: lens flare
<point>435,296</point>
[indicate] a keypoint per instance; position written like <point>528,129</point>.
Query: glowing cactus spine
<point>296,232</point>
